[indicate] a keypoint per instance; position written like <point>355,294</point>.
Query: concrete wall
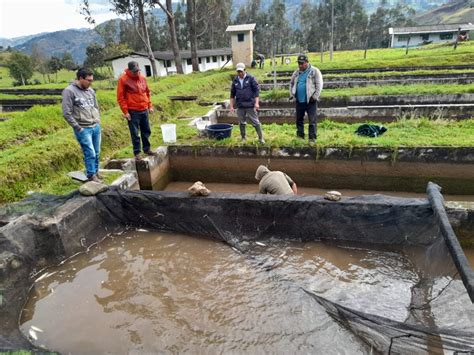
<point>242,52</point>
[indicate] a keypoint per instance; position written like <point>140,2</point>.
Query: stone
<point>15,263</point>
<point>333,195</point>
<point>78,175</point>
<point>92,188</point>
<point>199,189</point>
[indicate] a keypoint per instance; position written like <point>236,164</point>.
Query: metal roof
<point>241,28</point>
<point>432,28</point>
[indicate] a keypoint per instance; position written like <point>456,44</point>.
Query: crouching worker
<point>274,182</point>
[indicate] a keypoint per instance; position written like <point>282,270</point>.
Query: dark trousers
<point>139,125</point>
<point>310,109</point>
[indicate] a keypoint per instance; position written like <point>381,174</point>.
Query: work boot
<point>138,157</point>
<point>260,134</point>
<point>243,133</point>
<point>151,153</point>
<point>94,178</point>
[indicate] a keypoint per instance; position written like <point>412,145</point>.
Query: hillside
<point>56,43</point>
<point>457,11</point>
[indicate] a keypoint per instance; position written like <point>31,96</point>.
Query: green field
<point>39,148</point>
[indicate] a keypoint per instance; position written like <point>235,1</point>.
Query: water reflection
<point>166,293</point>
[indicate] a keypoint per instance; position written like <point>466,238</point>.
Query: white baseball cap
<point>240,67</point>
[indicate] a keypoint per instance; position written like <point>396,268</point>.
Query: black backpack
<point>370,130</point>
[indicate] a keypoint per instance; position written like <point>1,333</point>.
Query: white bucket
<point>169,132</point>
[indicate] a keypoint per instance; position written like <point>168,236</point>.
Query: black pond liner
<point>241,219</point>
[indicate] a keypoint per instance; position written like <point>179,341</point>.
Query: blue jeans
<point>89,139</point>
<point>139,122</point>
<point>310,109</point>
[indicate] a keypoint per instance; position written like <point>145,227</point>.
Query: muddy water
<point>148,292</point>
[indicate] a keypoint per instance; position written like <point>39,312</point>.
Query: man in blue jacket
<point>245,92</point>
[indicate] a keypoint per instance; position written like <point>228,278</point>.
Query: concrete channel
<point>379,70</point>
<point>332,78</point>
<point>359,109</point>
<point>340,84</point>
<point>379,169</point>
<point>8,105</point>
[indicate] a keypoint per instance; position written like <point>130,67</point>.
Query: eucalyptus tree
<point>168,10</point>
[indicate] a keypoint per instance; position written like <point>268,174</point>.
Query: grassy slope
<point>38,148</point>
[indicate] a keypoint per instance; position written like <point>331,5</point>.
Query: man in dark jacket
<point>245,92</point>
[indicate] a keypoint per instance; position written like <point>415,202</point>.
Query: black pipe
<point>462,264</point>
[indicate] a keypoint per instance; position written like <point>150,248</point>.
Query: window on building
<point>214,58</point>
<point>208,59</point>
<point>148,70</point>
<point>240,37</point>
<point>168,63</point>
<point>445,36</point>
<point>189,61</point>
<point>222,57</point>
<point>200,60</point>
<point>402,38</point>
<point>228,57</point>
<point>425,37</point>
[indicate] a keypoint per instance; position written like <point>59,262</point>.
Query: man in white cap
<point>244,93</point>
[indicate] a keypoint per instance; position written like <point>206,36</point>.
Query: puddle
<point>168,293</point>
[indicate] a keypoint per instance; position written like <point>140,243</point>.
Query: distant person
<point>81,111</point>
<point>133,96</point>
<point>260,60</point>
<point>245,92</point>
<point>306,86</point>
<point>275,182</point>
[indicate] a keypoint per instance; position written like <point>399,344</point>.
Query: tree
<point>136,10</point>
<point>95,56</point>
<point>383,18</point>
<point>168,10</point>
<point>55,65</point>
<point>191,22</point>
<point>68,62</point>
<point>20,67</point>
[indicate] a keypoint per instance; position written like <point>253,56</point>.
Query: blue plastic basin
<point>219,131</point>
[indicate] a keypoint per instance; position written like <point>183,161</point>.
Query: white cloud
<point>26,17</point>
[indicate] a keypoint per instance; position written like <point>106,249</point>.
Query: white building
<point>208,59</point>
<point>427,34</point>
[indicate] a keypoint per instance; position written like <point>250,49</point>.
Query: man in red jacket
<point>133,96</point>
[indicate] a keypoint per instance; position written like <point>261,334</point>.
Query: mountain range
<point>75,41</point>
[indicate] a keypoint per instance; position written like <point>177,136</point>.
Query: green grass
<point>431,55</point>
<point>404,132</point>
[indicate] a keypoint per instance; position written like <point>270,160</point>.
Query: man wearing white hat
<point>244,92</point>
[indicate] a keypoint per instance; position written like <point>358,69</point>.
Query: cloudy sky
<point>27,17</point>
